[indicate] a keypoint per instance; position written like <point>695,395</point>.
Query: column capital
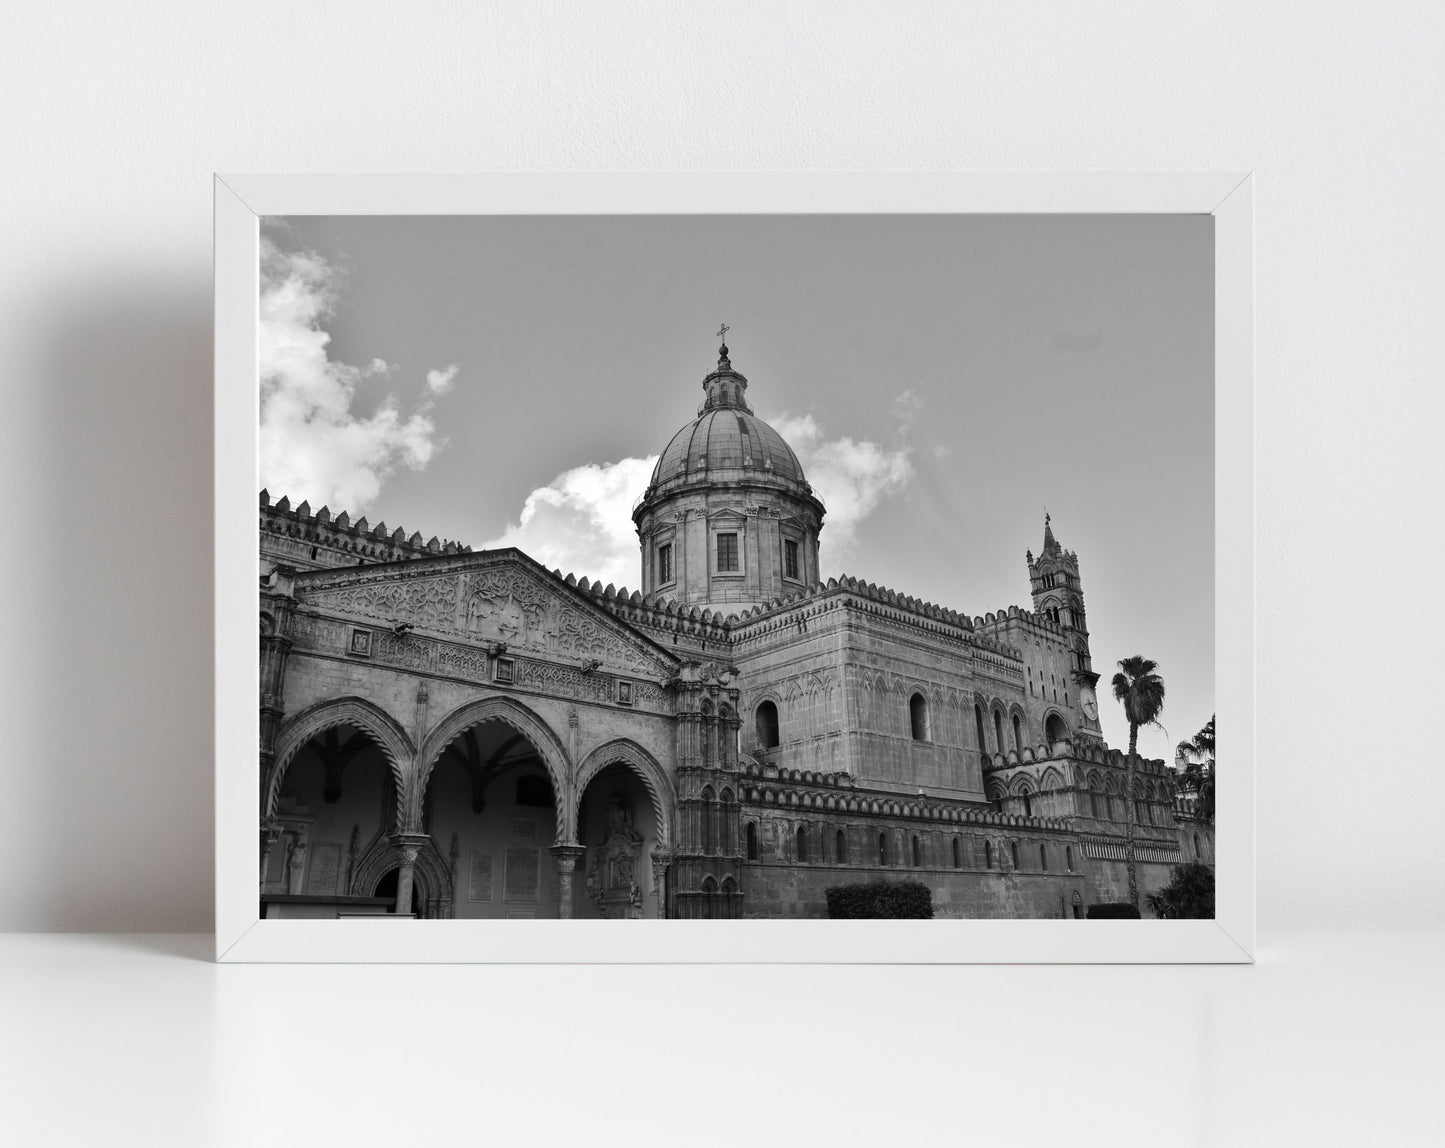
<point>567,856</point>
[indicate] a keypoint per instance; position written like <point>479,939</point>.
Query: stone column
<point>660,861</point>
<point>404,877</point>
<point>566,859</point>
<point>270,834</point>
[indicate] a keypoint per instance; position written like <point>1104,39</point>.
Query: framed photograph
<point>826,567</point>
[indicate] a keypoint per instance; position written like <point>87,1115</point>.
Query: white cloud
<point>440,381</point>
<point>851,476</point>
<point>314,446</point>
<point>581,522</point>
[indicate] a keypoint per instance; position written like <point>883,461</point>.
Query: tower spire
<point>1051,545</point>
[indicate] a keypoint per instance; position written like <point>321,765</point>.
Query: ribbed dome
<point>727,438</point>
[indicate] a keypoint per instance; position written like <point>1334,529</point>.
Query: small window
<point>802,844</point>
<point>988,854</point>
<point>1014,852</point>
<point>918,716</point>
<point>790,559</point>
<point>766,721</point>
<point>883,849</point>
<point>664,564</point>
<point>917,852</point>
<point>752,837</point>
<point>840,847</point>
<point>1028,805</point>
<point>1018,735</point>
<point>1044,857</point>
<point>957,855</point>
<point>727,552</point>
<point>998,729</point>
<point>978,719</point>
<point>1197,854</point>
<point>1069,857</point>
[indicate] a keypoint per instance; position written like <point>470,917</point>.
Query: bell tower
<point>1059,597</point>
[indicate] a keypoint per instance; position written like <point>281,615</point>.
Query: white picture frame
<point>241,936</point>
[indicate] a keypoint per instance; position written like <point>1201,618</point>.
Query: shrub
<point>1113,910</point>
<point>877,899</point>
<point>1189,896</point>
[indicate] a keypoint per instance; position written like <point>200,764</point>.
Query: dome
<point>727,438</point>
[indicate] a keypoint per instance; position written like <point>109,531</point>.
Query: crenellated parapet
<point>808,792</point>
<point>1002,621</point>
<point>310,540</point>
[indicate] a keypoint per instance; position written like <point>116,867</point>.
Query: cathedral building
<point>457,733</point>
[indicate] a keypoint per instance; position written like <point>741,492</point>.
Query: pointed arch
<point>513,713</point>
<point>432,874</point>
<point>366,716</point>
<point>654,777</point>
<point>1052,779</point>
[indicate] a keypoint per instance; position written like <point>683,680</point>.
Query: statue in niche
<point>612,873</point>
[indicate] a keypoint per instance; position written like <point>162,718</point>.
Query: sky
<point>508,381</point>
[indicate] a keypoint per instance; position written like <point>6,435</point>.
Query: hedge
<point>1112,910</point>
<point>880,899</point>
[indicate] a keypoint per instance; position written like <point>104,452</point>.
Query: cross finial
<point>723,332</point>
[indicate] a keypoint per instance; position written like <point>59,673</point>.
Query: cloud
<point>853,477</point>
<point>440,381</point>
<point>314,444</point>
<point>581,522</point>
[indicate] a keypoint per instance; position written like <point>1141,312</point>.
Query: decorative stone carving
<point>498,605</point>
<point>612,873</point>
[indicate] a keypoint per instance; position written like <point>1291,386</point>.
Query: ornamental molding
<point>484,599</point>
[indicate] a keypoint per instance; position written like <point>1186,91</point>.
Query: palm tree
<point>1198,775</point>
<point>1141,691</point>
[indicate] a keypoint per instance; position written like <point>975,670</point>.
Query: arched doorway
<point>490,809</point>
<point>335,801</point>
<point>387,886</point>
<point>1055,730</point>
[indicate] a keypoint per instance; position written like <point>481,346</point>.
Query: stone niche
<point>619,832</point>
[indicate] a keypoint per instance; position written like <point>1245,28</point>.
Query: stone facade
<point>457,733</point>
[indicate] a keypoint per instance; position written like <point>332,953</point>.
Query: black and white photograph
<point>737,566</point>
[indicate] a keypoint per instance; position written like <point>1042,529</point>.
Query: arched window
<point>1028,805</point>
<point>840,848</point>
<point>1043,857</point>
<point>883,849</point>
<point>1018,735</point>
<point>1094,804</point>
<point>918,716</point>
<point>752,840</point>
<point>998,729</point>
<point>1197,855</point>
<point>988,854</point>
<point>802,844</point>
<point>767,725</point>
<point>1055,729</point>
<point>709,820</point>
<point>1069,857</point>
<point>1013,849</point>
<point>957,855</point>
<point>982,741</point>
<point>709,898</point>
<point>917,852</point>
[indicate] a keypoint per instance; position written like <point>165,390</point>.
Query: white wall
<point>112,118</point>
